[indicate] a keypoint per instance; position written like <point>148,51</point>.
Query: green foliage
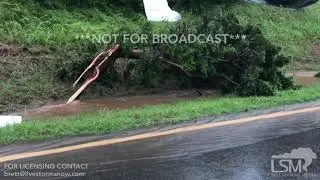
<point>249,66</point>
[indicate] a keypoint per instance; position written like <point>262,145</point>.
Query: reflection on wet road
<point>241,151</point>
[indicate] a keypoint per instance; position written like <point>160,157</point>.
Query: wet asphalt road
<point>241,151</point>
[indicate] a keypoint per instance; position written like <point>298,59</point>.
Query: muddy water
<point>305,78</point>
<point>307,81</point>
<point>61,109</point>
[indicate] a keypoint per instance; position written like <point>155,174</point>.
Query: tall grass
<point>296,31</point>
<point>33,24</point>
<point>57,23</point>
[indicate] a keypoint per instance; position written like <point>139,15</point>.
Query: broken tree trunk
<point>99,63</point>
<point>96,68</point>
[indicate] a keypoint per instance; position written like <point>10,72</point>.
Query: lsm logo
<point>297,161</point>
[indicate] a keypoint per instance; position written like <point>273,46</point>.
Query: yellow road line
<point>153,134</point>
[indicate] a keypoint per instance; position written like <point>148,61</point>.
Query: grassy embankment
<point>37,42</point>
<point>53,32</point>
<point>296,31</point>
<point>43,43</point>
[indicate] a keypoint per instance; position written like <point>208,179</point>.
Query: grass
<point>296,31</point>
<point>102,122</point>
<point>32,24</point>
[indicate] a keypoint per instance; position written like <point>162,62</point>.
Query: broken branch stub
<point>97,66</point>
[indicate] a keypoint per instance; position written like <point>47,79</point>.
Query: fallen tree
<point>250,65</point>
<point>244,63</point>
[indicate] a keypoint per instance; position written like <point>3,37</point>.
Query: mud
<point>113,103</point>
<point>309,63</point>
<point>17,61</point>
<point>25,78</point>
<point>316,52</point>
